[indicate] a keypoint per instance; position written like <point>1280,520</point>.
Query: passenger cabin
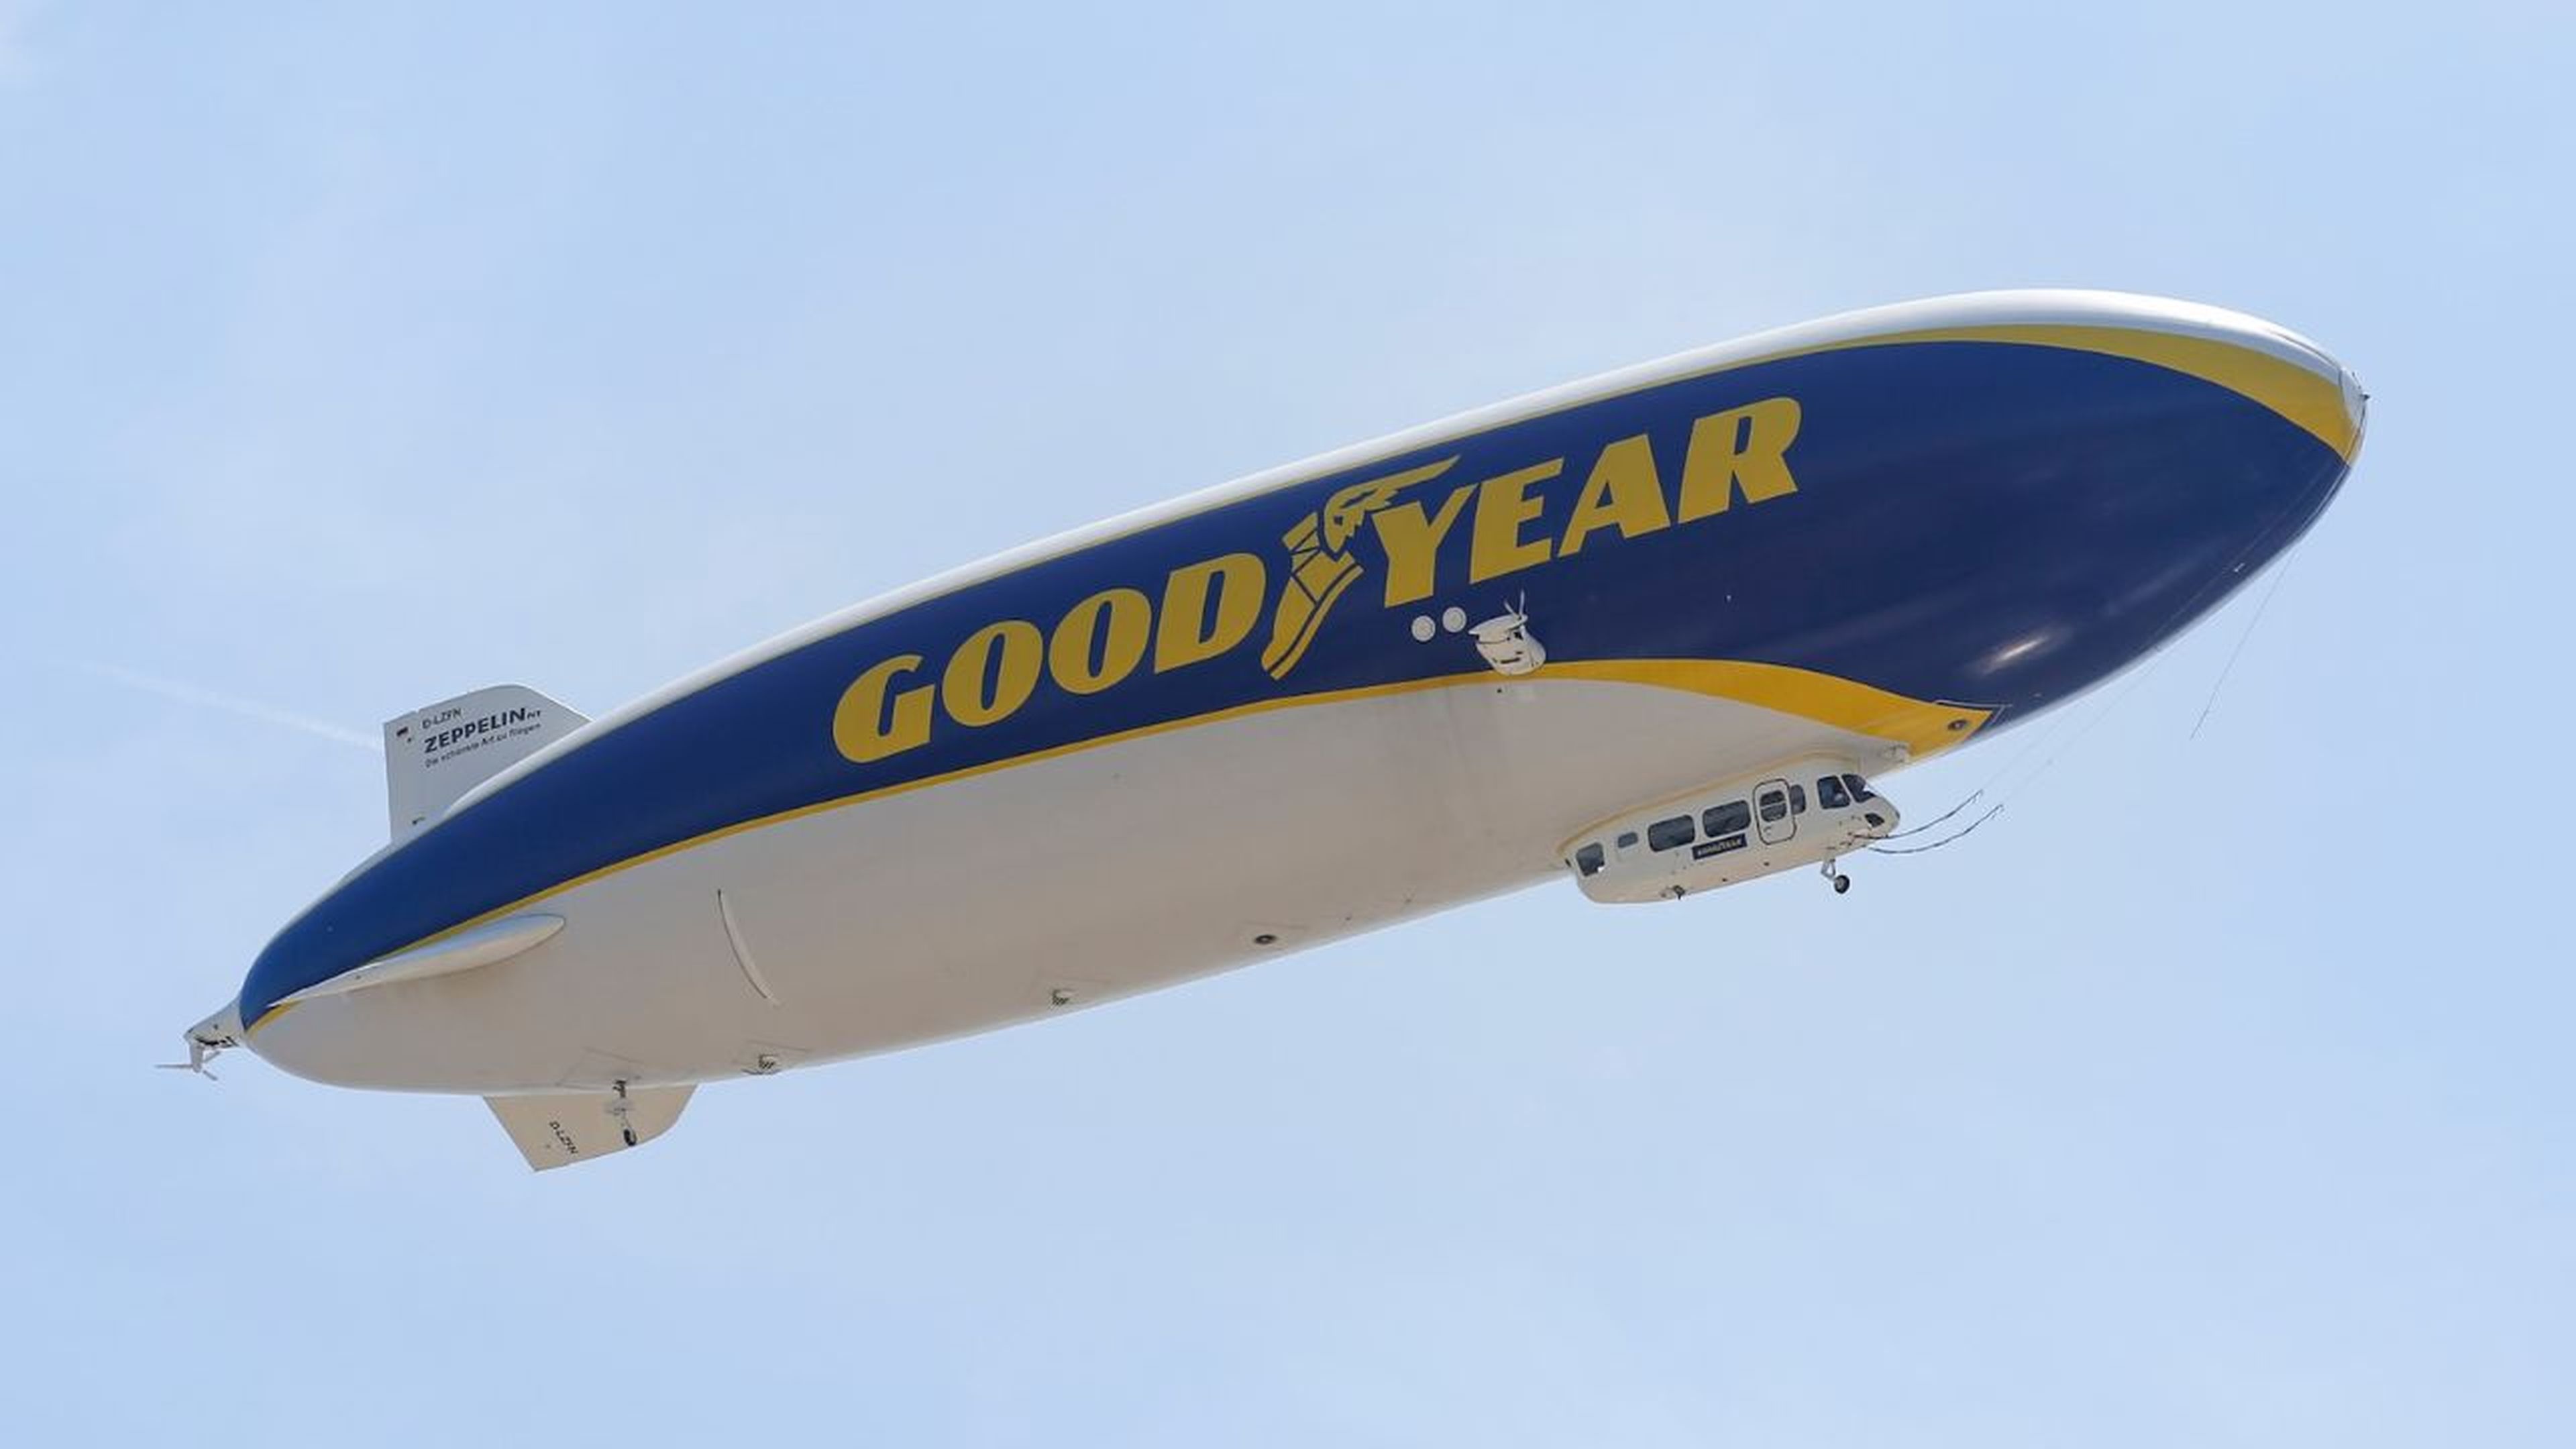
<point>1806,813</point>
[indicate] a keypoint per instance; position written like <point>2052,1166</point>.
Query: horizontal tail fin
<point>561,1128</point>
<point>435,754</point>
<point>481,946</point>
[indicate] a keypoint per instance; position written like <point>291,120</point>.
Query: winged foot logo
<point>1209,608</point>
<point>1320,566</point>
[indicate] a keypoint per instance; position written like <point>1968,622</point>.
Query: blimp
<point>1667,630</point>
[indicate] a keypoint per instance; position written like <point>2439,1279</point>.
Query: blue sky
<point>2216,1093</point>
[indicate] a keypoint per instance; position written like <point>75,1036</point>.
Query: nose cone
<point>2189,475</point>
<point>2279,369</point>
<point>2281,486</point>
<point>2279,429</point>
<point>2051,485</point>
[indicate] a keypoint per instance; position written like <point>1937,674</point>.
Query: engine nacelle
<point>1809,810</point>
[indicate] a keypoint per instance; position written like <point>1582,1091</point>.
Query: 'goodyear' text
<point>1204,610</point>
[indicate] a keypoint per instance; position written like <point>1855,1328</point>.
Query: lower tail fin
<point>558,1129</point>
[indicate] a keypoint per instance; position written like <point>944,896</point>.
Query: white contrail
<point>246,708</point>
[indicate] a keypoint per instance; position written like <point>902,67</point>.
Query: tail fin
<point>567,1127</point>
<point>435,754</point>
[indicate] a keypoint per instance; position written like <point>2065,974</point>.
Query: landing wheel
<point>1842,885</point>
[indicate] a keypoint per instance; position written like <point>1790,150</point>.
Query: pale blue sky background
<point>2215,1094</point>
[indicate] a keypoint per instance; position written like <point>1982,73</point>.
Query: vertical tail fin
<point>435,754</point>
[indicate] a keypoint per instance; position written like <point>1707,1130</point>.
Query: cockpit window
<point>1859,787</point>
<point>1797,799</point>
<point>1830,793</point>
